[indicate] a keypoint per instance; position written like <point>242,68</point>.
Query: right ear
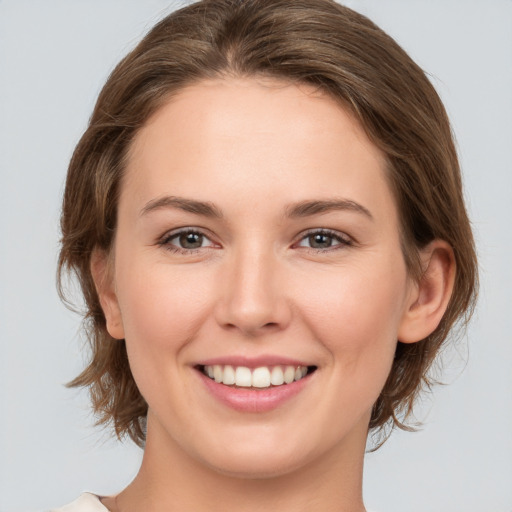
<point>102,274</point>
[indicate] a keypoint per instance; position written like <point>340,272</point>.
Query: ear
<point>431,294</point>
<point>102,274</point>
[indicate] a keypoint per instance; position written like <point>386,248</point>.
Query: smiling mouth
<point>263,377</point>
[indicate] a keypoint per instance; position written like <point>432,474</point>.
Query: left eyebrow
<point>315,207</point>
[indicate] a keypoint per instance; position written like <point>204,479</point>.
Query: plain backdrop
<point>54,57</point>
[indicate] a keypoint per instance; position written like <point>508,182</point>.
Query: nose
<point>253,294</point>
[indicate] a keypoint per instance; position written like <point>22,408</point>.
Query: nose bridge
<point>253,301</point>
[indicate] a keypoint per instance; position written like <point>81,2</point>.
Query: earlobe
<point>431,295</point>
<point>102,273</point>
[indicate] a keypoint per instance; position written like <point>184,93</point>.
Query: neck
<point>171,479</point>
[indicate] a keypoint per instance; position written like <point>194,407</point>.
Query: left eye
<point>322,240</point>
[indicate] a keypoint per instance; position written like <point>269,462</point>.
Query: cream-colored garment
<point>87,502</point>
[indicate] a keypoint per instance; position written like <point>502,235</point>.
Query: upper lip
<point>252,362</point>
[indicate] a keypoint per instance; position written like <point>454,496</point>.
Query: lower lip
<point>253,400</point>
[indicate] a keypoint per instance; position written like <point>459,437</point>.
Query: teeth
<point>277,377</point>
<point>229,375</point>
<point>262,377</point>
<point>217,373</point>
<point>243,377</point>
<point>289,374</point>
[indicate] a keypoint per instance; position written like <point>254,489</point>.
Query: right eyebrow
<point>188,205</point>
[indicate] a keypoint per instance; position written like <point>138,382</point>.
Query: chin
<point>271,455</point>
<point>257,468</point>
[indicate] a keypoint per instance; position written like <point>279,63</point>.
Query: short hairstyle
<point>316,42</point>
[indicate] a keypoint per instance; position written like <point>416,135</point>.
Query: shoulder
<point>87,502</point>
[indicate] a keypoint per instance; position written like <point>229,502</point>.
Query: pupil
<point>191,240</point>
<point>320,241</point>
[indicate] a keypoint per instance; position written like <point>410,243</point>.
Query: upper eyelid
<point>186,229</point>
<point>325,231</point>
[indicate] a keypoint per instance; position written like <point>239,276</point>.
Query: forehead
<point>252,109</point>
<point>255,136</point>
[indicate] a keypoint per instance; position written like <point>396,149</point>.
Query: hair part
<point>314,42</point>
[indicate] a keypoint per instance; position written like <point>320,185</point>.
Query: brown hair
<point>305,41</point>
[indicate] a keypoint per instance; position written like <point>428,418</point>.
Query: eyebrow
<point>315,207</point>
<point>298,210</point>
<point>188,205</point>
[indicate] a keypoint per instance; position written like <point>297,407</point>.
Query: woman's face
<point>257,230</point>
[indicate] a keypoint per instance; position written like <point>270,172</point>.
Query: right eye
<point>186,241</point>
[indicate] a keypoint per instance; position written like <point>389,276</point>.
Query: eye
<point>190,240</point>
<point>324,239</point>
<point>185,241</point>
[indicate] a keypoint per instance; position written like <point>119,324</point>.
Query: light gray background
<point>54,57</point>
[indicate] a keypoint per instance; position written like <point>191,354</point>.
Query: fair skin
<point>256,228</point>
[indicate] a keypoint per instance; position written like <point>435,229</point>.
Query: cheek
<point>162,311</point>
<point>356,316</point>
<point>356,320</point>
<point>161,307</point>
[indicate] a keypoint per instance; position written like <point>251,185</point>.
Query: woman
<point>266,218</point>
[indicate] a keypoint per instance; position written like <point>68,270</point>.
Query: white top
<point>87,502</point>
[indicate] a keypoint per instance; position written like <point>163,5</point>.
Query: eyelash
<point>343,240</point>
